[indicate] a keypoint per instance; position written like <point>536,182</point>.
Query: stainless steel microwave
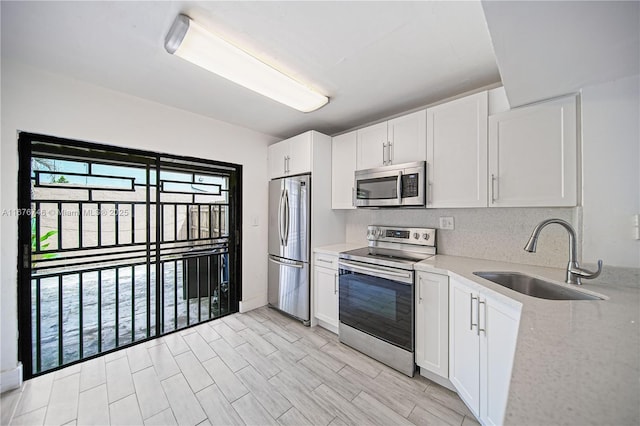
<point>400,185</point>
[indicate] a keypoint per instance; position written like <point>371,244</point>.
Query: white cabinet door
<point>343,165</point>
<point>497,349</point>
<point>432,323</point>
<point>457,153</point>
<point>533,155</point>
<point>277,159</point>
<point>300,154</point>
<point>326,297</point>
<point>372,146</point>
<point>408,137</point>
<point>464,343</point>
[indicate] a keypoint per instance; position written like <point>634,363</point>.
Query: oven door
<point>378,300</point>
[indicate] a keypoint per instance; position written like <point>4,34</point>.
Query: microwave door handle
<point>399,187</point>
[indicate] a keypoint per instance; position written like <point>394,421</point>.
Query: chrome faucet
<point>574,272</point>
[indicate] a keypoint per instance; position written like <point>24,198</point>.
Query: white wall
<point>40,102</point>
<point>611,171</point>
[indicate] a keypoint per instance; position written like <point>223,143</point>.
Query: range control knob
<point>416,236</point>
<point>425,236</point>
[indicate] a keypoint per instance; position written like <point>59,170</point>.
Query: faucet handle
<point>583,273</point>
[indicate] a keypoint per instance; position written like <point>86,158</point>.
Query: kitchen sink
<point>535,287</point>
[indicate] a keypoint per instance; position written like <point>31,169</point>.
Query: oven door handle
<point>375,271</point>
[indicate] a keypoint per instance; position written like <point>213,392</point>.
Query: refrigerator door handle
<point>291,264</point>
<point>287,215</point>
<point>280,221</point>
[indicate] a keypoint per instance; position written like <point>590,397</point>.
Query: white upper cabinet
<point>533,155</point>
<point>372,146</point>
<point>291,156</point>
<point>407,135</point>
<point>400,140</point>
<point>343,165</point>
<point>457,153</point>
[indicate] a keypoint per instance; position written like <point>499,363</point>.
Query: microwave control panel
<point>410,185</point>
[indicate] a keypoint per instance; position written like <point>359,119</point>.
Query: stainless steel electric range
<point>377,294</point>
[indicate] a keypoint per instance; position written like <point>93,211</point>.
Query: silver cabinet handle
<point>419,290</point>
<point>429,193</point>
<point>384,153</point>
<point>493,190</point>
<point>324,260</point>
<point>471,324</point>
<point>284,165</point>
<point>353,196</point>
<point>399,187</point>
<point>482,302</point>
<point>335,284</point>
<point>389,153</point>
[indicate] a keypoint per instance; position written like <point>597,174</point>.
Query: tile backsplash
<point>485,233</point>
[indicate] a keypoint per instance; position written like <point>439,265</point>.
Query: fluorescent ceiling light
<point>194,43</point>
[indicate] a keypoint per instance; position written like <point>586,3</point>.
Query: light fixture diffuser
<point>195,44</point>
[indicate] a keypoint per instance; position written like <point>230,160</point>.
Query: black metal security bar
<point>125,245</point>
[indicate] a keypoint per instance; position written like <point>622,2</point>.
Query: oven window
<point>377,306</point>
<point>378,189</point>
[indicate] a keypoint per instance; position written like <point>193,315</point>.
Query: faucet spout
<point>574,272</point>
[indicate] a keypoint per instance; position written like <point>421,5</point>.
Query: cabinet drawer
<point>326,261</point>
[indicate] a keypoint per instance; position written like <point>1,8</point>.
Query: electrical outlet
<point>446,222</point>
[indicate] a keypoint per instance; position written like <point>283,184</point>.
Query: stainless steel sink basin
<point>535,287</point>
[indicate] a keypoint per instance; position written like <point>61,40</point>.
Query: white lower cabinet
<point>325,283</point>
<point>432,323</point>
<point>483,333</point>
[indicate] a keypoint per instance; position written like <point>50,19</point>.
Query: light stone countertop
<point>576,362</point>
<point>335,249</point>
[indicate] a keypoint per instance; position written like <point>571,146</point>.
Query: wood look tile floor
<point>257,368</point>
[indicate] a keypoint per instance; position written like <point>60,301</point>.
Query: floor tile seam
<point>193,391</point>
<point>135,391</point>
<point>15,405</point>
<point>121,398</point>
<point>436,415</point>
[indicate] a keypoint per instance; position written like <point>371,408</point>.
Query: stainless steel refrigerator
<point>289,246</point>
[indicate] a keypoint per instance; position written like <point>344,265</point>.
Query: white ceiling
<point>373,59</point>
<point>545,49</point>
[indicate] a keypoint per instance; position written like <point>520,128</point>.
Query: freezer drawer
<point>290,287</point>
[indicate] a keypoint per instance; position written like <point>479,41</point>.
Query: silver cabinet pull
<point>353,196</point>
<point>419,290</point>
<point>384,153</point>
<point>493,190</point>
<point>284,164</point>
<point>484,330</point>
<point>429,193</point>
<point>471,324</point>
<point>389,153</point>
<point>335,284</point>
<point>324,260</point>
